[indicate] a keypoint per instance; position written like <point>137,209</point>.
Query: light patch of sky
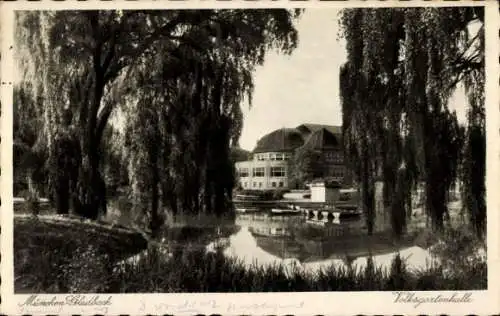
<point>302,87</point>
<point>458,103</point>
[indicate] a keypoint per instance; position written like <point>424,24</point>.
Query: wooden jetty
<point>314,211</point>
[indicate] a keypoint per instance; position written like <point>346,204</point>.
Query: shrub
<point>88,271</point>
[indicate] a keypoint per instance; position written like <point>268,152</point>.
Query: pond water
<point>263,239</point>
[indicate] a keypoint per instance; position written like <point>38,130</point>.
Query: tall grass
<point>197,271</point>
<point>189,269</point>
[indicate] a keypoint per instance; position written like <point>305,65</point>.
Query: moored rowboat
<point>285,211</point>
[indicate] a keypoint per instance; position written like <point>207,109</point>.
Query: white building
<point>268,169</point>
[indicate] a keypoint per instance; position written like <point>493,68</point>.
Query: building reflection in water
<point>297,238</point>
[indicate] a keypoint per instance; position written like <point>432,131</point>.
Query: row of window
<point>273,156</point>
<point>337,173</point>
<point>259,184</point>
<point>335,157</point>
<point>260,172</point>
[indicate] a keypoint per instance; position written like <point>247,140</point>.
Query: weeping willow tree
<point>403,66</point>
<point>30,156</point>
<point>179,146</point>
<point>474,157</point>
<point>79,63</point>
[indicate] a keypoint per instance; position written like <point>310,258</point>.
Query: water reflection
<point>264,239</point>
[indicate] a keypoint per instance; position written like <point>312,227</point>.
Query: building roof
<point>308,128</point>
<point>322,138</point>
<point>316,136</point>
<point>284,139</point>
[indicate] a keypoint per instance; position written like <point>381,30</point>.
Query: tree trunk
<point>398,203</point>
<point>155,220</point>
<point>90,197</point>
<point>63,171</point>
<point>368,190</point>
<point>31,187</point>
<point>474,187</point>
<point>435,201</point>
<point>389,185</point>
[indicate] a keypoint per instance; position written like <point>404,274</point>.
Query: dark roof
<point>317,136</point>
<point>323,138</point>
<point>310,128</point>
<point>284,139</point>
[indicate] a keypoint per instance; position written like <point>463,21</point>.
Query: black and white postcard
<point>249,158</point>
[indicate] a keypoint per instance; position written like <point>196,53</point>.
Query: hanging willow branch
<point>405,63</point>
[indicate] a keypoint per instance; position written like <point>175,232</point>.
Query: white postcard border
<point>482,302</point>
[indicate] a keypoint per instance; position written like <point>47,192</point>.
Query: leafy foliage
<point>29,154</point>
<point>403,66</point>
<point>306,164</point>
<point>240,154</point>
<point>179,77</point>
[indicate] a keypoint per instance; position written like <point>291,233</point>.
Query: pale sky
<point>304,87</point>
<point>301,88</point>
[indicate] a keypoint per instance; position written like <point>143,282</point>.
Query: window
<point>273,184</point>
<point>243,172</point>
<point>344,197</point>
<point>280,156</point>
<point>339,157</point>
<point>337,172</point>
<point>254,184</point>
<point>335,157</point>
<point>278,172</point>
<point>260,184</point>
<point>272,156</point>
<point>288,156</point>
<point>329,156</point>
<point>281,184</point>
<point>258,172</point>
<point>261,157</point>
<point>244,184</point>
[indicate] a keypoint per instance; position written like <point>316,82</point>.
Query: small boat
<point>285,211</point>
<point>349,214</point>
<point>246,197</point>
<point>246,209</point>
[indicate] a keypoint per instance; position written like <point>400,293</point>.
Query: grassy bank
<point>192,269</point>
<point>50,251</point>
